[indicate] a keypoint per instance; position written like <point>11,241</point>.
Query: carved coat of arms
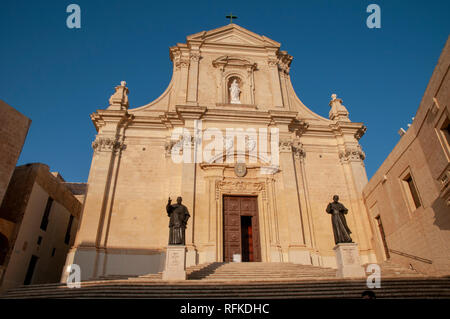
<point>240,169</point>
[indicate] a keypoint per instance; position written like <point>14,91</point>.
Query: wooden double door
<point>241,228</point>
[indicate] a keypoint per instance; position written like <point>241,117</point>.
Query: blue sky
<point>58,76</point>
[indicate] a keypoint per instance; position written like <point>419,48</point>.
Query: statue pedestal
<point>175,268</point>
<point>348,261</point>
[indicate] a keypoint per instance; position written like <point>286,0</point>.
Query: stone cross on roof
<point>231,17</point>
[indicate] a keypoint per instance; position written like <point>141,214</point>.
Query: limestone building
<point>408,198</point>
<point>260,203</point>
<point>44,215</point>
<point>13,131</point>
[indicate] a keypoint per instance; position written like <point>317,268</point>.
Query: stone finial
<point>338,111</point>
<point>119,100</point>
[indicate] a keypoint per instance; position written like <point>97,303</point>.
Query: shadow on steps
<point>205,271</point>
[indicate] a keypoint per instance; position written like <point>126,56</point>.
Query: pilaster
<point>108,146</point>
<point>277,98</point>
<point>189,114</point>
<point>352,158</point>
<point>193,77</point>
<point>288,199</point>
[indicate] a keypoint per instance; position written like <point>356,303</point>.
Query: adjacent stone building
<point>13,131</point>
<point>44,215</point>
<point>262,203</point>
<point>408,198</point>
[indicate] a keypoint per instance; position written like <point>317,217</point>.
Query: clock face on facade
<point>240,169</point>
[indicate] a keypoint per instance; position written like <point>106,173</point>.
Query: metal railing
<point>424,260</point>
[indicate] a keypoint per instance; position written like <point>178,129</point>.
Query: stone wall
<point>23,207</point>
<point>418,236</point>
<point>13,130</point>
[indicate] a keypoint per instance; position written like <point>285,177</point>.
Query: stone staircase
<point>258,272</point>
<point>248,280</point>
<point>270,271</point>
<point>389,269</point>
<point>243,271</point>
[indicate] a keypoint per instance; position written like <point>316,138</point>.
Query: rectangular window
<point>445,130</point>
<point>69,228</point>
<point>39,240</point>
<point>53,252</point>
<point>412,191</point>
<point>48,207</point>
<point>30,271</point>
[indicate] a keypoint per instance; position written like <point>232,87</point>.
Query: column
<point>275,82</point>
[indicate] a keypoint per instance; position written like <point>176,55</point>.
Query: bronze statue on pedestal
<point>340,228</point>
<point>179,216</point>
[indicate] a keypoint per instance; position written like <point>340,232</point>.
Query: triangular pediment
<point>232,34</point>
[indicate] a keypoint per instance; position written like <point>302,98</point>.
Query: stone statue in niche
<point>235,92</point>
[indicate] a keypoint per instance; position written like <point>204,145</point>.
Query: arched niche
<point>229,68</point>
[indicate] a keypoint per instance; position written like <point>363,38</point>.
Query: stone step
<point>270,271</point>
<point>267,271</point>
<point>247,280</point>
<point>428,288</point>
<point>272,295</point>
<point>327,282</point>
<point>243,286</point>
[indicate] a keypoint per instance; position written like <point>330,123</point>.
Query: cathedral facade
<point>264,201</point>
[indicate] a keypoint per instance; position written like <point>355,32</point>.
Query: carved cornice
<point>168,146</point>
<point>240,185</point>
<point>352,153</point>
<point>174,53</point>
<point>182,63</point>
<point>360,132</point>
<point>108,144</point>
<point>298,126</point>
<point>353,128</point>
<point>284,62</point>
<point>235,62</point>
<point>190,112</point>
<point>299,151</point>
<point>285,145</point>
<point>283,117</point>
<point>118,117</point>
<point>243,186</point>
<point>195,57</point>
<point>184,141</point>
<point>272,62</point>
